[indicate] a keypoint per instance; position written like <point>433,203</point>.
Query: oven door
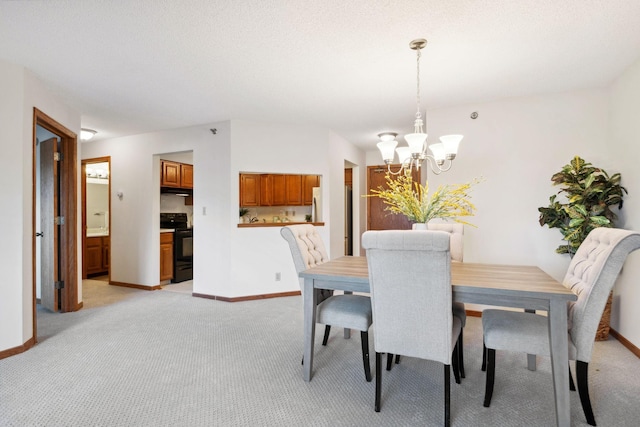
<point>183,255</point>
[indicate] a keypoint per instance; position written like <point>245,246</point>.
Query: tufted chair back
<point>456,232</point>
<point>591,275</point>
<point>411,294</point>
<point>307,250</point>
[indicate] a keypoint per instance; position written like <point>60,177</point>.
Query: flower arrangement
<point>409,198</point>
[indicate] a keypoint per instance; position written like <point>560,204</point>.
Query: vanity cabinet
<point>166,256</point>
<point>96,255</point>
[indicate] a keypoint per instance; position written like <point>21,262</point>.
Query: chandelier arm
<point>435,167</point>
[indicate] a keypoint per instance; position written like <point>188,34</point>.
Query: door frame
<point>68,202</point>
<point>83,198</point>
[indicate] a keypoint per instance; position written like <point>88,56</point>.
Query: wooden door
<point>49,210</point>
<point>377,217</point>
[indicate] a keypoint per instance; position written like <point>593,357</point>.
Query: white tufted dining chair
<point>343,311</point>
<point>591,275</point>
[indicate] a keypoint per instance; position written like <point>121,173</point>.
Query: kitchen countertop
<point>277,224</point>
<point>97,233</point>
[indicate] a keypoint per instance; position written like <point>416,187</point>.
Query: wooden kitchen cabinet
<point>97,254</point>
<point>166,256</point>
<point>273,190</point>
<point>308,182</point>
<point>175,174</point>
<point>170,176</point>
<point>293,190</point>
<point>186,175</point>
<point>277,189</point>
<point>249,190</point>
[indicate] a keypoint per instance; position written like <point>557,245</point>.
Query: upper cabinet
<point>249,190</point>
<point>177,175</point>
<point>308,182</point>
<point>277,189</point>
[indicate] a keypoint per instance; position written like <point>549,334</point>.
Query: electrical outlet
<point>277,276</point>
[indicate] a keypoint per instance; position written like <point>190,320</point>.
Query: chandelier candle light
<point>415,154</point>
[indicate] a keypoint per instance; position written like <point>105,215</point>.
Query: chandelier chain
<point>418,115</point>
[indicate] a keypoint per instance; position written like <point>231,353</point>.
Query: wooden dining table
<point>526,287</point>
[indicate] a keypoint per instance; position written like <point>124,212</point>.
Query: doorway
<point>54,218</point>
<point>378,218</point>
<point>96,217</point>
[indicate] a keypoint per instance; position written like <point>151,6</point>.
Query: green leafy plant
<point>307,217</point>
<point>243,212</point>
<point>590,193</point>
<point>409,198</point>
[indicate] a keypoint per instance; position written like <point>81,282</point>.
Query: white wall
<point>624,137</point>
<point>135,171</point>
<point>295,150</point>
<point>21,91</point>
<point>517,145</point>
<point>228,261</point>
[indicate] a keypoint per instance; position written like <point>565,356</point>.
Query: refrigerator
<point>348,220</point>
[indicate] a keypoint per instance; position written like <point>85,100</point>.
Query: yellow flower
<point>409,198</point>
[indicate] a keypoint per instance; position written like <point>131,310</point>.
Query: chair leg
<point>327,330</point>
<point>378,380</point>
<point>491,372</point>
<point>397,359</point>
<point>364,339</point>
<point>484,357</point>
<point>572,386</point>
<point>454,362</point>
<point>389,361</point>
<point>447,395</point>
<point>461,354</point>
<point>582,370</point>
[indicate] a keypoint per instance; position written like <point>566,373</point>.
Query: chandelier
<point>442,153</point>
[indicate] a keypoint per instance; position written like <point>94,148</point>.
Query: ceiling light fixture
<point>87,134</point>
<point>415,154</point>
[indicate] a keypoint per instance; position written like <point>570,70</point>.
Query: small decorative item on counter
<point>276,219</point>
<point>307,217</point>
<point>254,219</point>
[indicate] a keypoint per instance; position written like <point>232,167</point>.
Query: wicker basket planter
<point>602,334</point>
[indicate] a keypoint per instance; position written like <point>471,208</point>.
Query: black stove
<point>182,245</point>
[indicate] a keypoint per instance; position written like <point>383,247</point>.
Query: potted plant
<point>589,194</point>
<point>307,217</point>
<point>412,199</point>
<point>243,214</point>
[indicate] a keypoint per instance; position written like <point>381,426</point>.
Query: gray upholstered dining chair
<point>591,275</point>
<point>411,295</point>
<point>456,235</point>
<point>343,311</point>
<point>456,247</point>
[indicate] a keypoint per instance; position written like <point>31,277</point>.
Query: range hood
<point>183,192</point>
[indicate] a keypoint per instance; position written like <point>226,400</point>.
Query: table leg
<point>309,314</point>
<point>559,347</point>
<point>531,358</point>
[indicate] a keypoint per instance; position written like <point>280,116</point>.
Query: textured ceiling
<point>142,65</point>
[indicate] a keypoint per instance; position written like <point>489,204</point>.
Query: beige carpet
<point>97,292</point>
